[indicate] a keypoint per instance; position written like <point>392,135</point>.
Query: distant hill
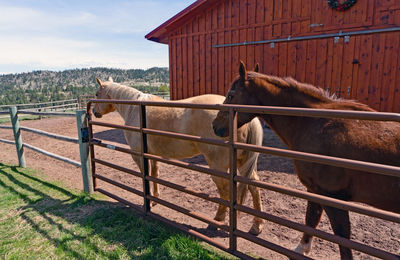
<point>42,86</point>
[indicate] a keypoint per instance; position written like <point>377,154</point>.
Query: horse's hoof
<point>153,203</point>
<point>255,230</point>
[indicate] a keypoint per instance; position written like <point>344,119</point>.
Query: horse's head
<point>239,93</point>
<point>101,109</point>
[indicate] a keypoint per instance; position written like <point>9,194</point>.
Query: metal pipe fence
<point>233,146</point>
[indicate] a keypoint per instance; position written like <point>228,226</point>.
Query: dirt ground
<point>374,232</point>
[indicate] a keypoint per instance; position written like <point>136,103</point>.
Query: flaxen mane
<point>327,100</point>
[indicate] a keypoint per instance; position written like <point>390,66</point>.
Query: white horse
<point>187,121</point>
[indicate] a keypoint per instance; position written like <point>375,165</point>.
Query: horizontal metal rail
<point>44,133</point>
<point>38,104</point>
<point>120,185</point>
<point>119,168</point>
<point>310,37</point>
<point>324,200</point>
<point>323,159</point>
<point>114,147</point>
<point>47,134</point>
<point>52,155</point>
<point>164,133</point>
<point>6,141</point>
<point>189,213</point>
<point>47,113</point>
<point>321,234</point>
<point>122,127</point>
<point>273,110</point>
<point>274,247</point>
<point>124,201</point>
<point>189,166</point>
<point>184,189</point>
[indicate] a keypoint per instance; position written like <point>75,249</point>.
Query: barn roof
<point>160,33</point>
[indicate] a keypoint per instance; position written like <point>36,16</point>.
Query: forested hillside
<point>42,86</point>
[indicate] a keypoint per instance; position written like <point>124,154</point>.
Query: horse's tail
<point>249,168</point>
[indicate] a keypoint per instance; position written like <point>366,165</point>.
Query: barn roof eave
<point>159,33</point>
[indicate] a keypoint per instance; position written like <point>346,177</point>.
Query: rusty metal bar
<point>123,127</point>
<point>320,199</point>
<point>321,234</point>
<point>287,111</point>
<point>324,159</point>
<point>120,185</point>
<point>232,182</point>
<point>119,168</point>
<point>189,166</point>
<point>164,133</point>
<point>188,191</point>
<point>189,213</point>
<point>124,201</point>
<point>113,147</point>
<point>272,246</point>
<point>187,137</point>
<point>144,161</point>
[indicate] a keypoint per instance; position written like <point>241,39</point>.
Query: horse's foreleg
<point>340,223</point>
<point>256,196</point>
<point>222,186</point>
<point>313,216</point>
<point>154,170</point>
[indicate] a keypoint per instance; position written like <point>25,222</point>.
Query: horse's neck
<point>127,112</point>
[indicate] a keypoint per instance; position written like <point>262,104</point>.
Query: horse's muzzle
<point>96,114</point>
<point>220,131</point>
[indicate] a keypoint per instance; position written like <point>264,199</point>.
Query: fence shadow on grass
<point>107,221</point>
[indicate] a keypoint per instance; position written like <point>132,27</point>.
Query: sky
<point>67,34</point>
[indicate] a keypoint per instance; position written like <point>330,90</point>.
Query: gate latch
<point>85,134</point>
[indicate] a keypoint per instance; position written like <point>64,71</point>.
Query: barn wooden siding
<point>363,67</point>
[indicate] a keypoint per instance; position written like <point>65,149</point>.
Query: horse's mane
<point>123,92</point>
<point>328,100</point>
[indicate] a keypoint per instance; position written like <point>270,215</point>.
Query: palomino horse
<point>187,121</point>
<point>371,141</point>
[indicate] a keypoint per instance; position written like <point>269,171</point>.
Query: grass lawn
<point>43,220</point>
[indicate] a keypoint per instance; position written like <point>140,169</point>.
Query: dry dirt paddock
<point>374,232</point>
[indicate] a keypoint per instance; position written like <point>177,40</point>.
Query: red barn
<point>352,50</point>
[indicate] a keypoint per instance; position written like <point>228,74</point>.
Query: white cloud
<point>75,34</point>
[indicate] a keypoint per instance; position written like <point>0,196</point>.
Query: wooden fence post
<point>83,134</point>
<point>17,136</point>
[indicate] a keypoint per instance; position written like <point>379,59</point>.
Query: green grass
<point>40,219</point>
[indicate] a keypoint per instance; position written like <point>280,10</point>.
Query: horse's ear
<point>99,82</point>
<point>257,68</point>
<point>242,71</point>
<point>110,79</point>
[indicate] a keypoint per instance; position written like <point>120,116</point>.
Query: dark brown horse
<point>370,141</point>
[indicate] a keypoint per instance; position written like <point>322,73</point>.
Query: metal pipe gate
<point>233,178</point>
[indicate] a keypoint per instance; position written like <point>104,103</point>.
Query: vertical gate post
<point>17,136</point>
<point>145,161</point>
<point>232,181</point>
<point>83,134</point>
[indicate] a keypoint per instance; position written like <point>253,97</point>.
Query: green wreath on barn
<point>334,4</point>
